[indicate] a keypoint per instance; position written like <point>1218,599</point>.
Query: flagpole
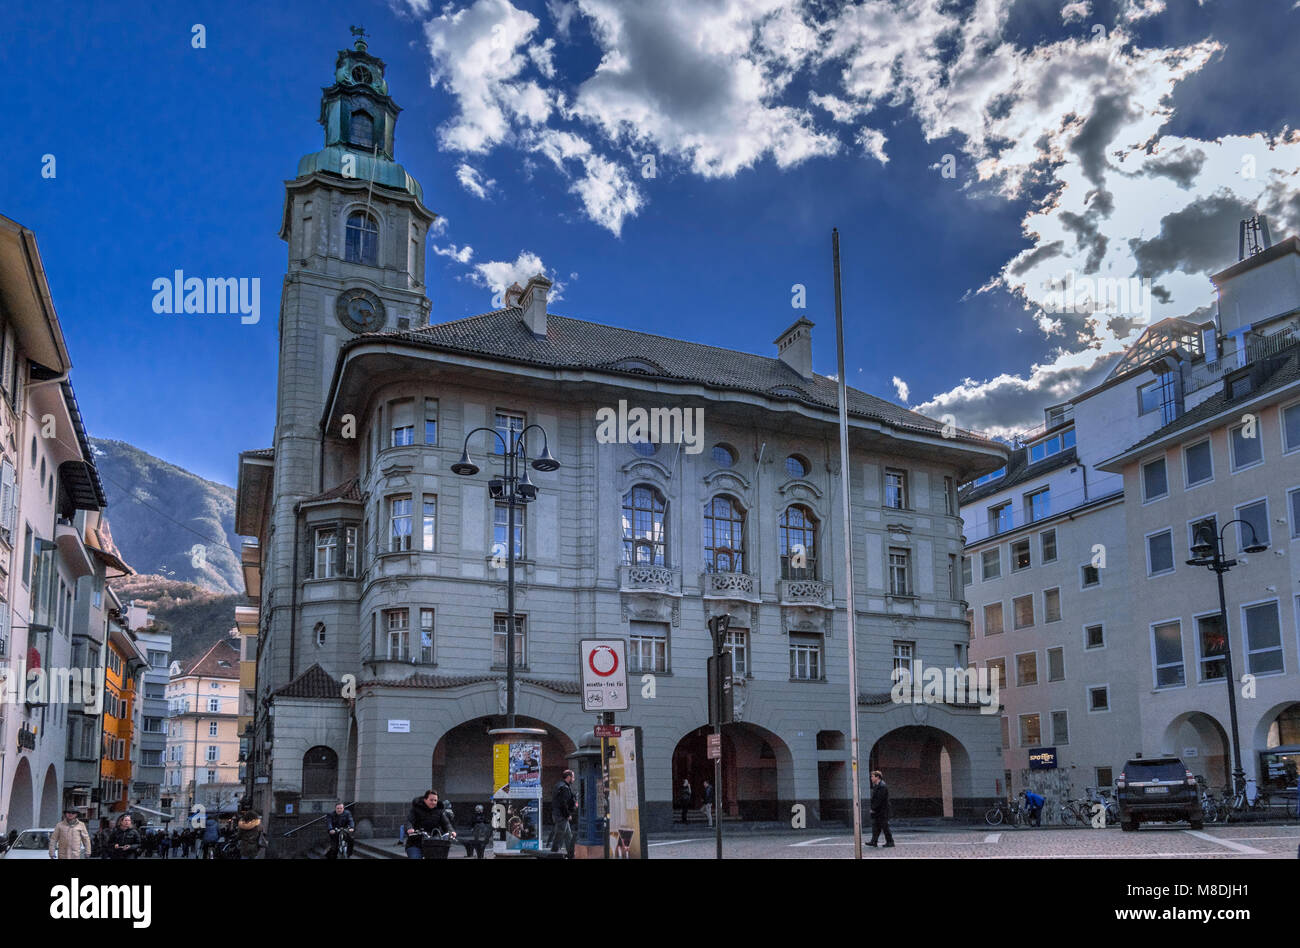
<point>848,553</point>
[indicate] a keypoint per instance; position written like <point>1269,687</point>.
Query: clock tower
<point>356,227</point>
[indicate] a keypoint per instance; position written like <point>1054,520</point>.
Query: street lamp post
<point>515,490</point>
<point>1208,552</point>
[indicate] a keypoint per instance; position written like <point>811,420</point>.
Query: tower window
<point>362,244</point>
<point>362,130</point>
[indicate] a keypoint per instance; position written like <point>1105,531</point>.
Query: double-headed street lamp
<point>1207,551</point>
<point>516,490</point>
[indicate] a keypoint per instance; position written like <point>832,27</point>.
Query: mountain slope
<point>196,617</point>
<point>159,512</point>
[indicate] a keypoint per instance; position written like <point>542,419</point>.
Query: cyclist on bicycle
<point>340,821</point>
<point>1034,808</point>
<point>428,817</point>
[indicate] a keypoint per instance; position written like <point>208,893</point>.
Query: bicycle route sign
<point>604,674</point>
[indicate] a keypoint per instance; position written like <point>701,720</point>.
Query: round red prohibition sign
<point>603,660</point>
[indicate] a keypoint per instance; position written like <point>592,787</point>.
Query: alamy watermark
<point>60,685</point>
<point>655,426</point>
<point>1089,295</point>
<point>952,685</point>
<point>182,294</point>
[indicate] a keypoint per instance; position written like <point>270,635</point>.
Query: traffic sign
<point>603,667</point>
<point>608,730</point>
<point>715,747</point>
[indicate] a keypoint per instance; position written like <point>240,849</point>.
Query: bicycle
<point>1096,795</point>
<point>1010,813</point>
<point>342,838</point>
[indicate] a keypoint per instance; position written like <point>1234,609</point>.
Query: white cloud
<point>439,226</point>
<point>873,143</point>
<point>459,254</point>
<point>543,58</point>
<point>901,388</point>
<point>497,275</point>
<point>1074,12</point>
<point>473,182</point>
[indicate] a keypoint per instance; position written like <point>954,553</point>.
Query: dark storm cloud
<point>1200,238</point>
<point>1181,166</point>
<point>1098,131</point>
<point>1035,256</point>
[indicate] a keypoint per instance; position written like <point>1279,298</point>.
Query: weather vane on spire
<point>360,33</point>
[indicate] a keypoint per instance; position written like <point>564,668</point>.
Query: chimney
<point>534,304</point>
<point>514,293</point>
<point>794,347</point>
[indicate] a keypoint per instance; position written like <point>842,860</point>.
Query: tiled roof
<point>315,682</point>
<point>577,344</point>
<point>562,686</point>
<point>1018,472</point>
<point>348,490</point>
<point>220,661</point>
<point>1269,375</point>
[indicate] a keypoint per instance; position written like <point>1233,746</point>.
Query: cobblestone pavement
<point>1174,841</point>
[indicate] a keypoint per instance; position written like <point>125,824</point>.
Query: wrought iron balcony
<point>730,586</point>
<point>805,592</point>
<point>651,579</point>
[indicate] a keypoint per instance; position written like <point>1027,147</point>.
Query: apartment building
<point>201,764</point>
<point>125,662</point>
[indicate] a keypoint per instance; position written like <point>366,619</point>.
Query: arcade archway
<point>757,772</point>
<point>462,762</point>
<point>22,813</point>
<point>922,766</point>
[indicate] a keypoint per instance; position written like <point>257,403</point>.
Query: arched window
<point>362,244</point>
<point>362,130</point>
<point>796,466</point>
<point>724,455</point>
<point>798,543</point>
<point>644,537</point>
<point>320,773</point>
<point>724,536</point>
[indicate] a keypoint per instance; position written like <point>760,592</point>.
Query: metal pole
<point>719,648</point>
<point>510,589</point>
<point>848,553</point>
<point>1238,773</point>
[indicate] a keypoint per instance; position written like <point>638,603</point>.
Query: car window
<point>32,840</point>
<point>1170,770</point>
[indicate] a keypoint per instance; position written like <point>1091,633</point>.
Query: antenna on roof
<point>1253,237</point>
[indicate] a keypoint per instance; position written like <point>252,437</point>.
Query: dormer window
<point>362,239</point>
<point>1049,446</point>
<point>361,131</point>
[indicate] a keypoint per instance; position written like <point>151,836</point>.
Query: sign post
<point>718,626</point>
<point>603,670</point>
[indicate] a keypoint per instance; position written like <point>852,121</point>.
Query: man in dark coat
<point>564,810</point>
<point>125,841</point>
<point>427,816</point>
<point>880,810</point>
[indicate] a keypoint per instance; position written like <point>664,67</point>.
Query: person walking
<point>480,831</point>
<point>880,811</point>
<point>684,797</point>
<point>564,812</point>
<point>708,801</point>
<point>125,841</point>
<point>101,839</point>
<point>249,827</point>
<point>211,835</point>
<point>70,839</point>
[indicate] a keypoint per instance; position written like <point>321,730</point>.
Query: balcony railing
<point>730,586</point>
<point>805,592</point>
<point>651,579</point>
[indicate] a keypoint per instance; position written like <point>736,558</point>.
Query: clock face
<point>360,310</point>
<point>361,74</point>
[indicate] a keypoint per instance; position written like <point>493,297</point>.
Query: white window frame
<point>1029,544</point>
<point>1173,552</point>
<point>1236,515</point>
<point>1291,512</point>
<point>428,532</point>
<point>903,489</point>
<point>984,617</point>
<point>403,633</point>
<point>433,637</point>
<point>1245,639</point>
<point>1057,590</point>
<point>1201,657</point>
<point>1015,617</point>
<point>1281,423</point>
<point>984,576</point>
<point>1018,657</point>
<point>658,644</point>
<point>1056,554</point>
<point>737,644</point>
<point>1087,698</point>
<point>1029,504</point>
<point>1082,584</point>
<point>1047,655</point>
<point>1155,662</point>
<point>1020,729</point>
<point>399,542</point>
<point>798,652</point>
<point>1142,479</point>
<point>1191,535</point>
<point>1233,466</point>
<point>904,656</point>
<point>901,571</point>
<point>1187,482</point>
<point>1051,717</point>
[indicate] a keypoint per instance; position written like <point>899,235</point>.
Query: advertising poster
<point>517,779</point>
<point>626,839</point>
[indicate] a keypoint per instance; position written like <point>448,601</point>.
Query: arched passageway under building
<point>1202,743</point>
<point>926,769</point>
<point>22,812</point>
<point>757,772</point>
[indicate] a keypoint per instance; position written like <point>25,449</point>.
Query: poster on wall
<point>517,796</point>
<point>626,796</point>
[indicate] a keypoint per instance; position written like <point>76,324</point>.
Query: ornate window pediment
<point>645,467</point>
<point>800,489</point>
<point>722,479</point>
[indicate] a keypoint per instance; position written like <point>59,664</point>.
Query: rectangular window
<point>1048,545</point>
<point>501,526</point>
<point>1263,638</point>
<point>402,419</point>
<point>1031,734</point>
<point>1212,644</point>
<point>426,637</point>
<point>212,729</point>
<point>1006,742</point>
<point>1099,698</point>
<point>1091,576</point>
<point>430,527</point>
<point>158,658</point>
<point>1056,664</point>
<point>1198,463</point>
<point>1255,514</point>
<point>993,619</point>
<point>1291,427</point>
<point>805,657</point>
<point>1026,669</point>
<point>1020,558</point>
<point>648,643</point>
<point>214,706</point>
<point>954,588</point>
<point>1051,605</point>
<point>949,495</point>
<point>399,519</point>
<point>326,553</point>
<point>431,421</point>
<point>967,573</point>
<point>1160,553</point>
<point>1000,517</point>
<point>903,652</point>
<point>737,645</point>
<point>1060,728</point>
<point>1094,636</point>
<point>1038,505</point>
<point>991,563</point>
<point>397,625</point>
<point>895,488</point>
<point>998,667</point>
<point>1155,480</point>
<point>900,572</point>
<point>499,636</point>
<point>212,752</point>
<point>349,551</point>
<point>1168,646</point>
<point>508,425</point>
<point>1293,502</point>
<point>1023,611</point>
<point>1162,396</point>
<point>1209,526</point>
<point>1246,451</point>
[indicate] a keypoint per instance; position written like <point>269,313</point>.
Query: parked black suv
<point>1157,788</point>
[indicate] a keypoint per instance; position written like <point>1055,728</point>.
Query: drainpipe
<point>1084,468</point>
<point>293,609</point>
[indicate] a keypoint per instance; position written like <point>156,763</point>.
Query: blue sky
<point>1087,139</point>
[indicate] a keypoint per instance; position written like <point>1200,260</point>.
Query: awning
<point>166,817</point>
